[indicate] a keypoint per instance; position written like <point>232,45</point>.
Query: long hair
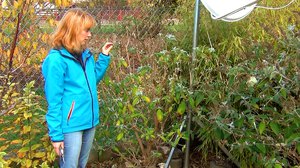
<point>70,26</point>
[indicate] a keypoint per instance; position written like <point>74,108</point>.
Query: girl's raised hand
<point>107,47</point>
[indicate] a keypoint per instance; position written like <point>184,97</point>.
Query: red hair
<point>70,26</point>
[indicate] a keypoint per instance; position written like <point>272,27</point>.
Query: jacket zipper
<point>84,63</point>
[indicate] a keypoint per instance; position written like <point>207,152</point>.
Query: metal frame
<point>237,10</point>
<point>189,114</point>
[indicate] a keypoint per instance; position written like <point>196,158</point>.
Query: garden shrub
<point>24,137</point>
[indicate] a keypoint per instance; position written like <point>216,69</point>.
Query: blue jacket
<point>71,91</point>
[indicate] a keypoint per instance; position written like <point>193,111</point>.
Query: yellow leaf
<point>45,37</point>
<point>28,163</point>
<point>159,115</point>
<point>35,44</point>
<point>23,150</point>
<point>27,115</point>
<point>16,52</point>
<point>14,94</point>
<point>8,129</point>
<point>34,147</point>
<point>3,148</point>
<point>26,129</point>
<point>26,141</point>
<point>124,63</point>
<point>16,4</point>
<point>131,108</point>
<point>2,139</point>
<point>17,120</point>
<point>58,3</point>
<point>31,9</point>
<point>6,13</point>
<point>65,3</point>
<point>147,99</point>
<point>8,53</point>
<point>14,13</point>
<point>17,141</point>
<point>21,155</point>
<point>37,163</point>
<point>52,22</point>
<point>44,165</point>
<point>40,155</point>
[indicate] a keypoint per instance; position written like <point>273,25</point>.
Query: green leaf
<point>106,80</point>
<point>293,137</point>
<point>124,109</point>
<point>283,93</point>
<point>255,105</point>
<point>298,148</point>
<point>118,123</point>
<point>237,98</point>
<point>275,127</point>
<point>262,127</point>
<point>199,99</point>
<point>277,165</point>
<point>239,123</point>
<point>192,102</point>
<point>181,108</point>
<point>261,147</point>
<point>159,115</point>
<point>170,109</point>
<point>231,80</point>
<point>177,97</point>
<point>120,136</point>
<point>135,101</point>
<point>219,134</point>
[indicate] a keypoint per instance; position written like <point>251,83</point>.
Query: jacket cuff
<point>57,138</point>
<point>104,54</point>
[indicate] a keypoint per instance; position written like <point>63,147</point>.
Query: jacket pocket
<point>70,112</point>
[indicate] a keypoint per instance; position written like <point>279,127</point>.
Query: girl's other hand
<point>107,47</point>
<point>57,146</point>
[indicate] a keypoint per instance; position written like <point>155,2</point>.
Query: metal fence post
<point>195,44</point>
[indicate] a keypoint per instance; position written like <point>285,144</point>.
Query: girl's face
<point>84,37</point>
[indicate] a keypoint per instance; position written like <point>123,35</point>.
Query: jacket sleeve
<point>53,71</point>
<point>101,65</point>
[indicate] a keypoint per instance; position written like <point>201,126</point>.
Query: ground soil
<point>196,161</point>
